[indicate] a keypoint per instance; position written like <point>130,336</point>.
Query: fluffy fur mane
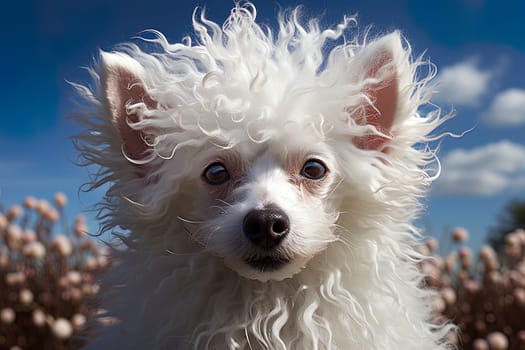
<point>240,84</point>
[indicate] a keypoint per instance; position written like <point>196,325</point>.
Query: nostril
<point>253,223</point>
<point>279,226</point>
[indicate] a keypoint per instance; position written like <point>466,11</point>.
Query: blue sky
<point>478,46</point>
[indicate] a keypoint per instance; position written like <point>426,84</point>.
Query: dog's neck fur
<point>339,302</point>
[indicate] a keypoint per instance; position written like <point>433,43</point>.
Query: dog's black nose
<point>266,227</point>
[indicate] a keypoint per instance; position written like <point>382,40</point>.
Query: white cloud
<point>507,108</point>
<point>482,171</point>
<point>463,84</point>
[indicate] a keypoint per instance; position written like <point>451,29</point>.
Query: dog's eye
<point>216,174</point>
<point>314,169</point>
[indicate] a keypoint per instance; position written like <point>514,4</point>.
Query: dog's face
<point>267,209</point>
<point>266,205</point>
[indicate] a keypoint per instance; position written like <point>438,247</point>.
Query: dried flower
<point>438,305</point>
<point>7,315</point>
<point>465,258</point>
<point>102,261</point>
<point>35,250</point>
<point>60,199</point>
<point>39,318</point>
<point>497,341</point>
<point>63,245</point>
<point>430,269</point>
<point>464,253</point>
<point>90,289</point>
<point>519,296</point>
<point>471,286</point>
<point>26,296</point>
<point>487,253</point>
<point>28,236</point>
<point>13,236</point>
<point>432,244</point>
<point>30,203</point>
<point>90,263</point>
<point>51,214</point>
<point>449,295</point>
<point>78,321</point>
<point>15,278</point>
<point>42,206</point>
<point>512,239</point>
<point>74,277</point>
<point>460,234</point>
<point>489,257</point>
<point>495,278</point>
<point>14,212</point>
<point>520,233</point>
<point>480,344</point>
<point>61,328</point>
<point>450,262</point>
<point>80,229</point>
<point>63,282</point>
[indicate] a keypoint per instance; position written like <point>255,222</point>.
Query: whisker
<point>187,221</point>
<point>211,233</point>
<point>336,186</point>
<point>171,252</point>
<point>224,202</point>
<point>223,211</point>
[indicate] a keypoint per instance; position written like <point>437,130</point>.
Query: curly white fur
<point>263,102</point>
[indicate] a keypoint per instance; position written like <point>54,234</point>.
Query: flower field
<point>483,293</point>
<point>48,271</point>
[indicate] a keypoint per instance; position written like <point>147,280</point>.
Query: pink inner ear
<point>128,89</point>
<point>384,96</point>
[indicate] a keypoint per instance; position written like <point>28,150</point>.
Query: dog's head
<point>258,145</point>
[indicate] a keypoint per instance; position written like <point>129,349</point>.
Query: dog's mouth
<point>266,263</point>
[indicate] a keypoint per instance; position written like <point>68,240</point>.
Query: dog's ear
<point>124,89</point>
<point>380,65</point>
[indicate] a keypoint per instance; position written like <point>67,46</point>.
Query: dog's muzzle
<point>266,228</point>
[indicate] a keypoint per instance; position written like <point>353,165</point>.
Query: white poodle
<point>266,182</point>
